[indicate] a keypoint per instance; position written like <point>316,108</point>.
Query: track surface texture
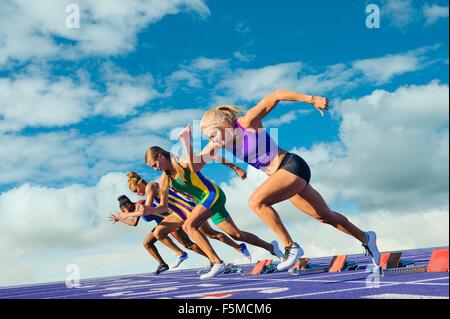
<point>185,284</point>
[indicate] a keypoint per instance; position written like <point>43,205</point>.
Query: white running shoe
<point>371,247</point>
<point>179,260</point>
<point>215,270</point>
<point>276,250</point>
<point>205,270</point>
<point>291,255</point>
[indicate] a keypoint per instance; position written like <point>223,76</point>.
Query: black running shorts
<point>297,166</point>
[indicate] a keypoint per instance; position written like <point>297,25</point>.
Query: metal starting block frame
<point>391,263</point>
<point>337,264</point>
<point>233,269</point>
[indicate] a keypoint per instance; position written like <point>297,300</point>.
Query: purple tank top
<point>257,149</point>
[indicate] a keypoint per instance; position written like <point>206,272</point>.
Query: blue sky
<point>79,107</point>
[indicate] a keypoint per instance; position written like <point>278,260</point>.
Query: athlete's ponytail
<point>134,180</point>
<point>220,116</point>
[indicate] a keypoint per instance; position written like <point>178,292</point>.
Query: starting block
<point>232,269</point>
<point>263,267</point>
<point>391,263</point>
<point>438,261</point>
<point>337,264</point>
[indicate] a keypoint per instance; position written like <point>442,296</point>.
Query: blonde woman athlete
<point>182,208</point>
<point>210,203</point>
<point>288,174</point>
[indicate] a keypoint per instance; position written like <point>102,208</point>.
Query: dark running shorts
<point>297,166</point>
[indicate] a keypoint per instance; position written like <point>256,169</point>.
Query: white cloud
<point>399,12</point>
<point>381,70</point>
<point>50,227</point>
<point>203,64</point>
<point>196,73</point>
<point>250,85</point>
<point>244,57</point>
<point>382,161</point>
<point>49,158</point>
<point>31,29</point>
<point>36,100</point>
<point>163,120</point>
<point>286,118</point>
<point>42,157</point>
<point>434,12</point>
<point>180,76</point>
<point>241,27</point>
<point>124,93</point>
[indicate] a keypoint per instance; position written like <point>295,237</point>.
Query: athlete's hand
<point>241,173</point>
<point>113,218</point>
<point>185,134</point>
<point>122,216</point>
<point>320,103</point>
<point>139,208</point>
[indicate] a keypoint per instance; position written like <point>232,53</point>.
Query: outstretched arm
<point>254,116</point>
<point>131,222</point>
<point>195,161</point>
<point>142,210</point>
<point>119,218</point>
<point>239,171</point>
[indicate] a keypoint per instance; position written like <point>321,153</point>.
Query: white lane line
<point>381,282</point>
<point>230,288</point>
<point>263,280</point>
<point>351,289</point>
<point>402,296</point>
<point>268,277</point>
<point>257,283</point>
<point>84,291</point>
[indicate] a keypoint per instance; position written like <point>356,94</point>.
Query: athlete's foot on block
<point>276,250</point>
<point>179,260</point>
<point>371,247</point>
<point>215,270</point>
<point>161,268</point>
<point>245,252</point>
<point>206,269</point>
<point>291,255</point>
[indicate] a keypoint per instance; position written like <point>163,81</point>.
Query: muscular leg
<point>183,239</point>
<point>280,186</point>
<point>149,245</point>
<point>163,229</point>
<point>198,216</point>
<point>206,229</point>
<point>311,202</point>
<point>231,229</point>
